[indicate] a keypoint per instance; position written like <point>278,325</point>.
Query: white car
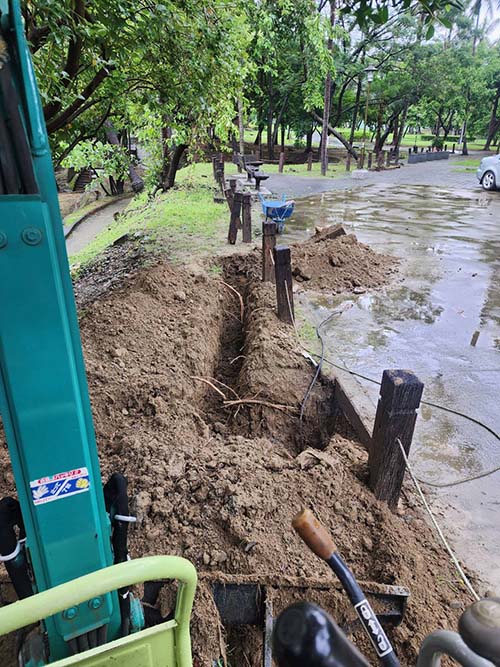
<point>488,172</point>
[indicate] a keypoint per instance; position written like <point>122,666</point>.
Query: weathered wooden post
<point>281,163</point>
<point>235,223</point>
<point>400,395</point>
<point>283,276</point>
<point>310,161</point>
<point>219,173</point>
<point>453,148</point>
<point>268,245</point>
<point>361,159</point>
<point>232,184</point>
<point>370,158</point>
<point>246,217</point>
<point>229,195</point>
<point>348,162</point>
<point>380,160</point>
<point>388,158</point>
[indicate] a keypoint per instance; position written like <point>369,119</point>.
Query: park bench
<point>251,164</point>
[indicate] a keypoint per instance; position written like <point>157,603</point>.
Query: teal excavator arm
<point>44,400</point>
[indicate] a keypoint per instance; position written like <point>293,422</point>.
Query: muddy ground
<point>197,391</point>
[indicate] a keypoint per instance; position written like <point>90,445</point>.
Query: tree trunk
<point>395,132</point>
<point>327,101</point>
<point>175,158</point>
<point>355,112</point>
<point>258,137</point>
<point>111,136</point>
<point>270,114</point>
<point>309,140</point>
<point>166,135</point>
<point>494,123</point>
<point>241,128</point>
<point>449,123</point>
<point>326,118</point>
<point>465,150</point>
<point>380,118</point>
<point>402,123</point>
<point>338,136</point>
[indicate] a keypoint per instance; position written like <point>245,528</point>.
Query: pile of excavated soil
<point>335,265</point>
<point>196,399</point>
<point>340,264</point>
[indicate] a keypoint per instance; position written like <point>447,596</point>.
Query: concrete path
<point>92,226</point>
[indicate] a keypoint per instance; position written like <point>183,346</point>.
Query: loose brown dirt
<point>340,264</point>
<point>196,391</point>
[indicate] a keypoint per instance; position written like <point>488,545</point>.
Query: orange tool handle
<point>314,534</point>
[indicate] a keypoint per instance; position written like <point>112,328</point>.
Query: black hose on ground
<point>116,501</point>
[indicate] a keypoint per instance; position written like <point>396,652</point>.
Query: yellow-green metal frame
<point>165,645</point>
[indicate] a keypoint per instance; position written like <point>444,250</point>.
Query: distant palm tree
<point>475,9</point>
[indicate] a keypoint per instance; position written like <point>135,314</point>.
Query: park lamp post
<point>370,75</point>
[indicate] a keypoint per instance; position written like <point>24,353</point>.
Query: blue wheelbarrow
<point>277,210</point>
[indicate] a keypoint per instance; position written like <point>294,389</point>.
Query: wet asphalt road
<point>440,318</point>
<point>441,173</point>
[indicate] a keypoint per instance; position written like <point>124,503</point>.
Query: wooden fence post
<point>235,223</point>
<point>284,284</point>
<point>232,184</point>
<point>370,158</point>
<point>388,158</point>
<point>246,217</point>
<point>268,245</point>
<point>281,163</point>
<point>400,395</point>
<point>310,161</point>
<point>348,162</point>
<point>229,194</point>
<point>219,170</point>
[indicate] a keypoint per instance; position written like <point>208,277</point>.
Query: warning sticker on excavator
<point>62,485</point>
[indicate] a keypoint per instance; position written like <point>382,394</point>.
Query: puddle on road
<point>447,297</point>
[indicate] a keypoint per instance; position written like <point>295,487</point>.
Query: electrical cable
<point>429,403</point>
<point>436,525</point>
<point>437,485</point>
<point>323,359</point>
<point>319,366</point>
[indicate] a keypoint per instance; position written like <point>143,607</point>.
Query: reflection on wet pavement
<point>441,319</point>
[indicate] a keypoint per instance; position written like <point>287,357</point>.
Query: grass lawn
<point>334,169</point>
<point>180,219</point>
<point>408,139</point>
<point>467,164</point>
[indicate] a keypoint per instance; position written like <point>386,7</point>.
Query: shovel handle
<point>314,534</point>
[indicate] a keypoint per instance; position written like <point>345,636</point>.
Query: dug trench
<point>196,391</point>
